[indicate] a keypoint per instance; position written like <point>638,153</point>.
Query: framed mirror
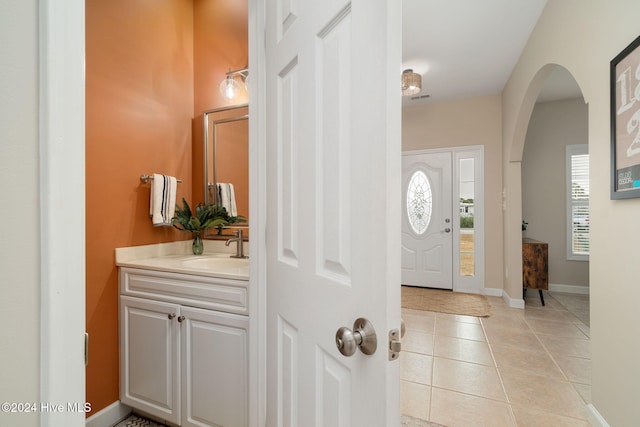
<point>226,165</point>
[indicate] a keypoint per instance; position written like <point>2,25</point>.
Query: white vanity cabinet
<point>184,347</point>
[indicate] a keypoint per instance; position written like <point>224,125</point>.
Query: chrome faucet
<point>240,245</point>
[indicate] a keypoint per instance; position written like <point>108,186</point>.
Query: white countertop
<point>177,257</point>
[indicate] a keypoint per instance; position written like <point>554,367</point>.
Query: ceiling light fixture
<point>411,82</point>
<point>229,87</point>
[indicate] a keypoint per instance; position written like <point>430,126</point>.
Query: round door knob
<point>447,230</point>
<point>363,336</point>
<point>181,319</point>
<point>346,341</point>
<point>171,316</point>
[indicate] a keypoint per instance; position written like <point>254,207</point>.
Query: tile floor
<point>524,368</point>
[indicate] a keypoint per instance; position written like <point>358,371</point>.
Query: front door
<point>333,170</point>
<point>427,223</point>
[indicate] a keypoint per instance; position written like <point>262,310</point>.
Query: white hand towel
<point>227,198</point>
<point>232,201</point>
<point>162,204</point>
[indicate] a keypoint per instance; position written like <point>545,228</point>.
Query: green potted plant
<point>206,216</point>
<point>220,212</point>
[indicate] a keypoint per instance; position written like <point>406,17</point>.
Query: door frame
<point>258,217</point>
<point>468,284</point>
<point>62,183</point>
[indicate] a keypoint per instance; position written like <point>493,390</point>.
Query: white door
<point>333,172</point>
<point>427,222</point>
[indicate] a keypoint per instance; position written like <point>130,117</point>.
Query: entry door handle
<point>363,336</point>
<point>447,230</point>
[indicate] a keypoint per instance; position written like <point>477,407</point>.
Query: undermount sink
<point>216,263</point>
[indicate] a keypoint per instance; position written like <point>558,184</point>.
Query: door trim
<point>62,183</point>
<point>468,284</point>
<point>258,217</point>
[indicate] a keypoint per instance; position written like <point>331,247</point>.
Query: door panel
<point>332,155</point>
<point>427,226</point>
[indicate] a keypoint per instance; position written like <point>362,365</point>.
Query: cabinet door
<point>149,357</point>
<point>214,368</point>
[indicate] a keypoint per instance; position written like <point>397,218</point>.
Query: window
<point>419,202</point>
<point>578,202</point>
<point>466,181</point>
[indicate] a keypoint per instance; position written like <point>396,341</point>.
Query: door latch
<point>395,345</point>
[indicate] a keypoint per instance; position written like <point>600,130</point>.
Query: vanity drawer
<point>225,295</point>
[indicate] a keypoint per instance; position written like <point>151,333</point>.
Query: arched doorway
<point>555,188</point>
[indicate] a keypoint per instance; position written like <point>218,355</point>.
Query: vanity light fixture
<point>229,87</point>
<point>411,82</point>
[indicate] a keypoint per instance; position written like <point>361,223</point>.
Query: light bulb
<point>246,83</point>
<point>228,88</point>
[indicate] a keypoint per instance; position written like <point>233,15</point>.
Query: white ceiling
<point>468,48</point>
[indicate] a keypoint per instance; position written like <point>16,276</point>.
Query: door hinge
<point>86,348</point>
<point>395,345</point>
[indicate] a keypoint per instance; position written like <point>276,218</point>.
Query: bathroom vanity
<point>184,322</point>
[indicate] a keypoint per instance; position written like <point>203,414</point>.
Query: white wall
<point>553,126</point>
<point>583,36</point>
<point>19,210</point>
<point>472,121</point>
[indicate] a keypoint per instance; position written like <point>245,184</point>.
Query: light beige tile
<point>451,328</point>
<point>469,378</point>
<point>462,410</point>
<point>518,338</point>
<point>577,369</point>
<point>551,302</point>
<point>462,349</point>
<point>416,367</point>
<point>500,308</point>
<point>584,391</point>
<point>525,360</point>
<point>504,321</point>
<point>539,391</point>
<point>555,328</point>
<point>419,320</point>
<point>527,417</point>
<point>417,342</point>
<point>415,400</point>
<point>545,313</point>
<point>562,346</point>
<point>585,329</point>
<point>582,316</point>
<point>544,394</point>
<point>458,318</point>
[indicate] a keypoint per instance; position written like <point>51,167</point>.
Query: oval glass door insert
<point>419,202</point>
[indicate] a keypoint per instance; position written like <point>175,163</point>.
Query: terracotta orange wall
<point>149,67</point>
<point>139,112</point>
<point>221,42</point>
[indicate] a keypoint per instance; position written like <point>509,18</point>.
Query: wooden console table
<point>535,266</point>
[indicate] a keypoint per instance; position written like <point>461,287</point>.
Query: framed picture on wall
<point>625,123</point>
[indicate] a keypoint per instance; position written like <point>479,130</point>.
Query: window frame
<point>572,150</point>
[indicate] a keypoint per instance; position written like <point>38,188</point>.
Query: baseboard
<point>108,416</point>
<point>569,289</point>
<point>512,302</point>
<point>595,419</point>
<point>492,292</point>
